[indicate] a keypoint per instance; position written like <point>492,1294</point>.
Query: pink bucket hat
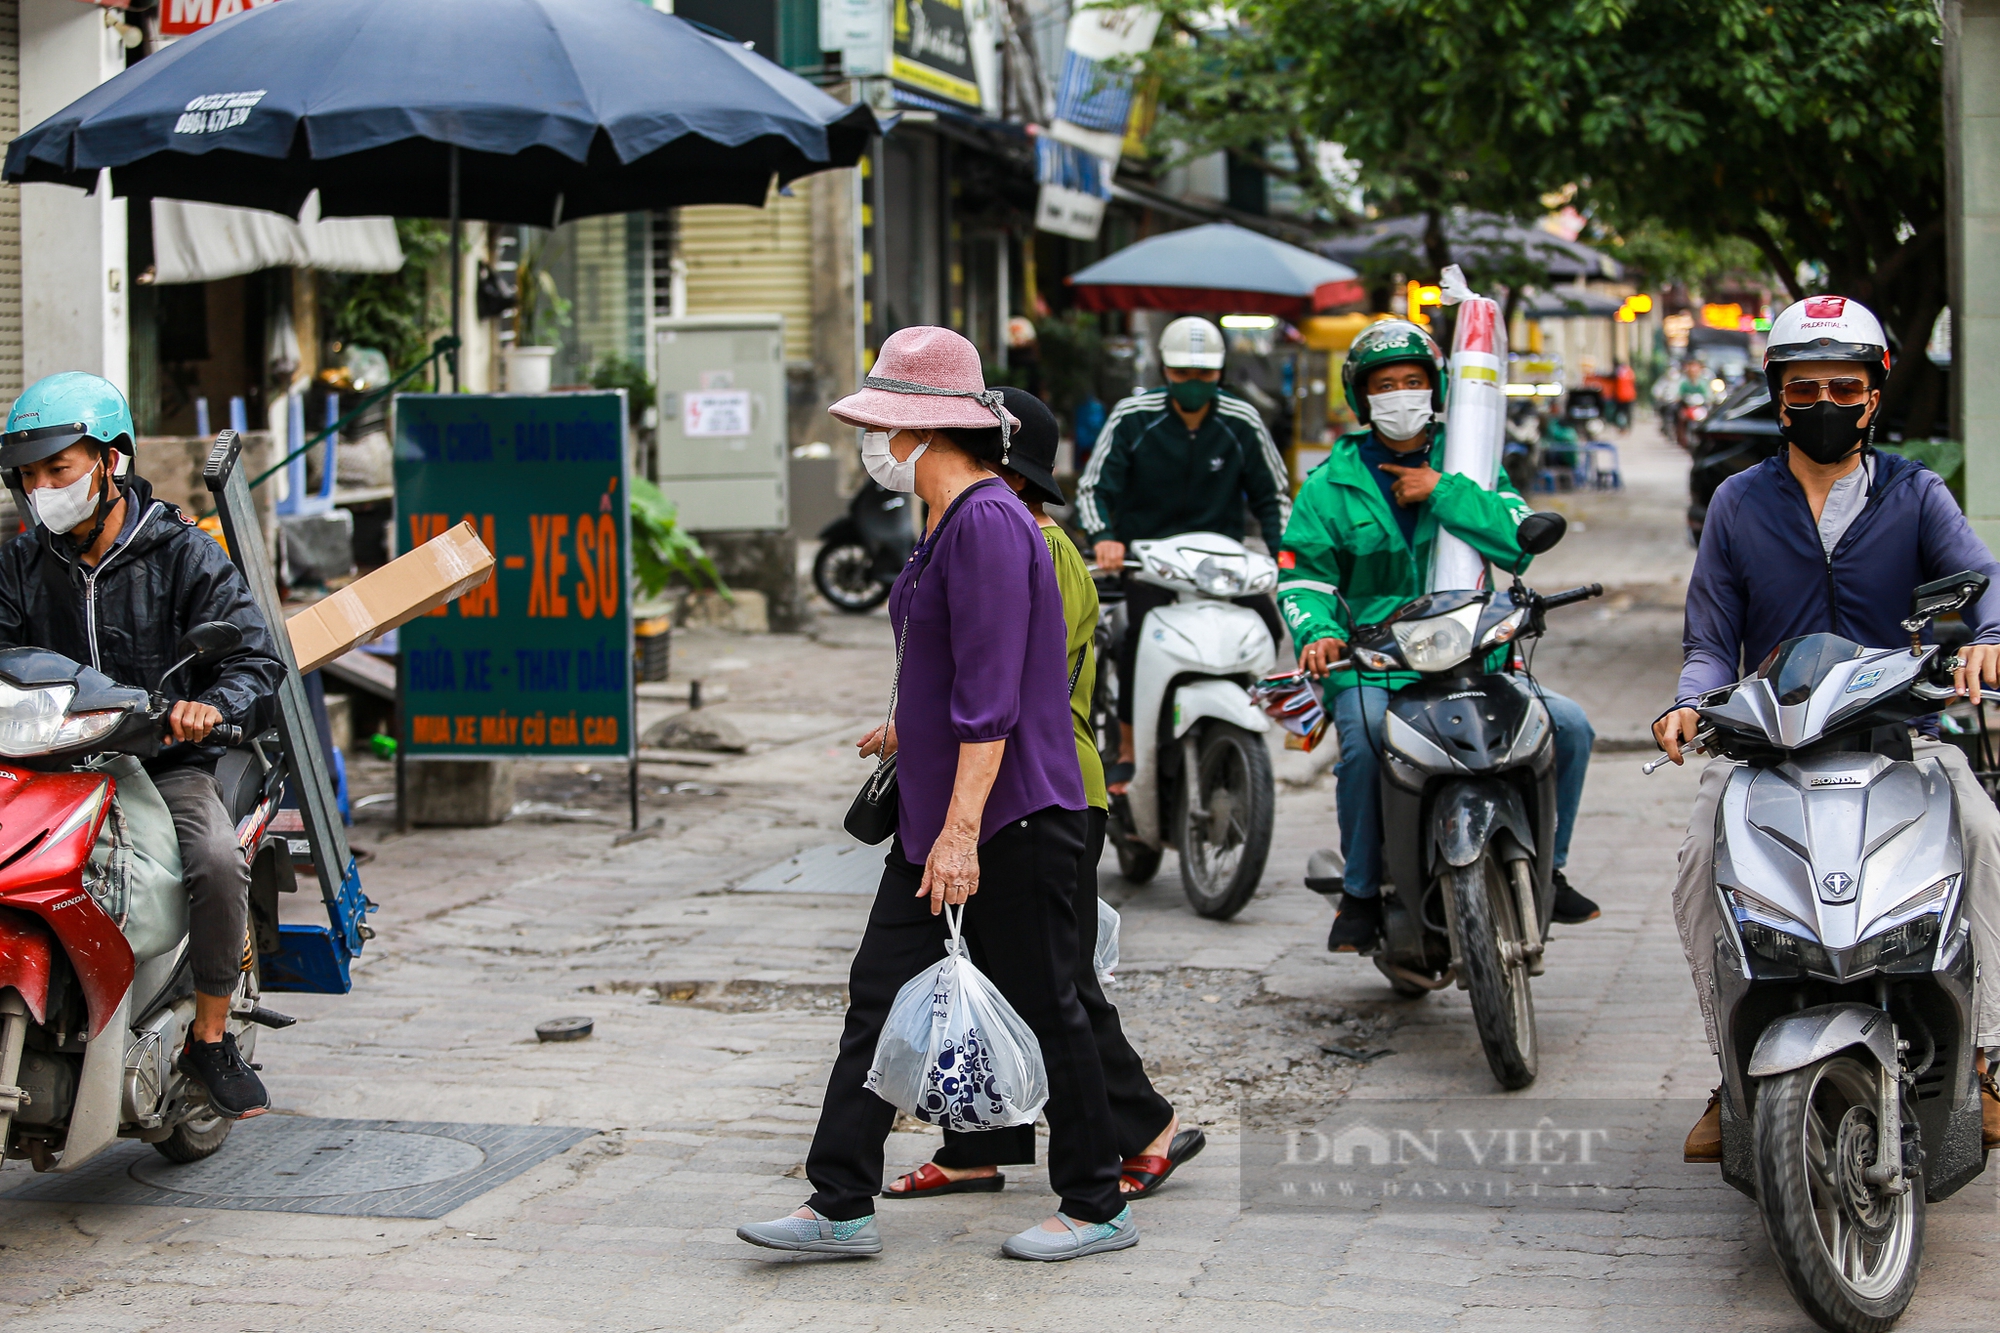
<point>926,378</point>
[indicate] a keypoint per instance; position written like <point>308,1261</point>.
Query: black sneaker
<point>1357,924</point>
<point>1571,908</point>
<point>232,1085</point>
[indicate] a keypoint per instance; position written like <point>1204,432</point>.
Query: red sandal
<point>927,1182</point>
<point>1149,1173</point>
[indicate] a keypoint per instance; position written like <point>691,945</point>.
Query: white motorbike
<point>1201,779</point>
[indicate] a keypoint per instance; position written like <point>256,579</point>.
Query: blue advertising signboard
<point>537,661</point>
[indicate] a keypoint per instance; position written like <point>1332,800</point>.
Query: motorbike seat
<point>236,773</point>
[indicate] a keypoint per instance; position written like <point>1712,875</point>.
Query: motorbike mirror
<point>209,640</point>
<point>1540,531</point>
<point>1952,593</point>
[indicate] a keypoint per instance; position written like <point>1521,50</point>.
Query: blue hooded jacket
<point>1761,576</point>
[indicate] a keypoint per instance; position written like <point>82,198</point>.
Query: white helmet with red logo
<point>1826,328</point>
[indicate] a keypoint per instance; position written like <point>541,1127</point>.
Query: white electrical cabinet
<point>721,437</point>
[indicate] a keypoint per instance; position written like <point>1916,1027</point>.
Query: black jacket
<point>1149,477</point>
<point>126,616</point>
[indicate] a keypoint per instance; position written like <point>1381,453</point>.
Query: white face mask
<point>62,508</point>
<point>882,464</point>
<point>1401,415</point>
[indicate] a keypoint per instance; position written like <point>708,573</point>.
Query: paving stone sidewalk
<point>717,1012</point>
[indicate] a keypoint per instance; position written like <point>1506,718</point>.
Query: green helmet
<point>1386,344</point>
<point>58,410</point>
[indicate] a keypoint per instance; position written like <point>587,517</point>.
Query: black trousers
<point>1143,597</point>
<point>1138,1113</point>
<point>1021,931</point>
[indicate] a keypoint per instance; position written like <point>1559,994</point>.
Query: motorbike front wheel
<point>844,573</point>
<point>1848,1252</point>
<point>195,1138</point>
<point>1495,968</point>
<point>1226,811</point>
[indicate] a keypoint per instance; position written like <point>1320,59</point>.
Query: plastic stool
<point>1603,477</point>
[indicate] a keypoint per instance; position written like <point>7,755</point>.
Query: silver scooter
<point>1844,964</point>
<point>1201,780</point>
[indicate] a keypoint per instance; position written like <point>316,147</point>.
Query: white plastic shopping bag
<point>953,1051</point>
<point>1107,943</point>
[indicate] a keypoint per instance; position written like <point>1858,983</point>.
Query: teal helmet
<point>58,410</point>
<point>1387,343</point>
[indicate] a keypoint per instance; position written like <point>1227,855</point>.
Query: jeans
<point>1357,778</point>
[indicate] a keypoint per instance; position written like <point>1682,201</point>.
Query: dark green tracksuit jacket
<point>1148,477</point>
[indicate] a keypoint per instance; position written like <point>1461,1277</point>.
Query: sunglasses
<point>1844,391</point>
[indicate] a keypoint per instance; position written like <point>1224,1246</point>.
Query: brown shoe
<point>1989,1111</point>
<point>1704,1141</point>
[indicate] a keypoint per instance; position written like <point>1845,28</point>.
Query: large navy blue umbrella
<point>534,110</point>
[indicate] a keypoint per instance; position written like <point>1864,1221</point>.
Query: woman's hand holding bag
<point>954,1053</point>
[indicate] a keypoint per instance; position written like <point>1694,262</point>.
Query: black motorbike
<point>1468,803</point>
<point>862,551</point>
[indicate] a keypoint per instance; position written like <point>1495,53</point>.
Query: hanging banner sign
<point>931,50</point>
<point>1094,104</point>
<point>178,18</point>
<point>537,661</point>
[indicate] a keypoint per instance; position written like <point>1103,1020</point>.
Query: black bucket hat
<point>1034,444</point>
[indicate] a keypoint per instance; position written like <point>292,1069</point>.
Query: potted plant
<point>540,315</point>
<point>663,552</point>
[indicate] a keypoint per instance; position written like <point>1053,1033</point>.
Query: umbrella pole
<point>457,274</point>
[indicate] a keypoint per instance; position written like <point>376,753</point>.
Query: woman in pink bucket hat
<point>990,802</point>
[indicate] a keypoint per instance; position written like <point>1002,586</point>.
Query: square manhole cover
<point>296,1164</point>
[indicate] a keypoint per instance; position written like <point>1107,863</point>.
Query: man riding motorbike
<point>1358,548</point>
<point>112,577</point>
<point>1829,536</point>
<point>1180,459</point>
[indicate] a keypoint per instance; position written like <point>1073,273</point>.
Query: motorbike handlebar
<point>1555,599</point>
<point>228,734</point>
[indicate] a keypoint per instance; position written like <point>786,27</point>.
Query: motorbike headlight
<point>1370,659</point>
<point>1912,939</point>
<point>31,719</point>
<point>1783,947</point>
<point>1437,643</point>
<point>1219,579</point>
<point>83,728</point>
<point>1505,631</point>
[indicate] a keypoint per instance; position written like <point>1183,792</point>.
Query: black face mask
<point>1824,433</point>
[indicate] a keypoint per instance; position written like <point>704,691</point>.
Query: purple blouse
<point>983,660</point>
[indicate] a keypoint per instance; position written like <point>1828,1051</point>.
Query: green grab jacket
<point>1343,538</point>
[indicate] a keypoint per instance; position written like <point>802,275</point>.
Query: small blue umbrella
<point>550,109</point>
<point>1216,269</point>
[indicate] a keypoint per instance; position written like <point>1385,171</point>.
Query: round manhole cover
<point>309,1163</point>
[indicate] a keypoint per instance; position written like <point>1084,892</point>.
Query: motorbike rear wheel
<point>1495,968</point>
<point>1137,863</point>
<point>844,573</point>
<point>1849,1253</point>
<point>1226,810</point>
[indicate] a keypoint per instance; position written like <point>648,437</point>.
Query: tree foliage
<point>394,313</point>
<point>1810,129</point>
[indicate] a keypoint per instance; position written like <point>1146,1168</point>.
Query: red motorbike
<point>89,1030</point>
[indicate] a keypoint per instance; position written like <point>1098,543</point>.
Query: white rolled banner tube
<point>1475,419</point>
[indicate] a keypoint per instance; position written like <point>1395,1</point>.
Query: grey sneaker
<point>815,1235</point>
<point>1081,1238</point>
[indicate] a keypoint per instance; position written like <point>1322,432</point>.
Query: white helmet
<point>1826,328</point>
<point>1191,343</point>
